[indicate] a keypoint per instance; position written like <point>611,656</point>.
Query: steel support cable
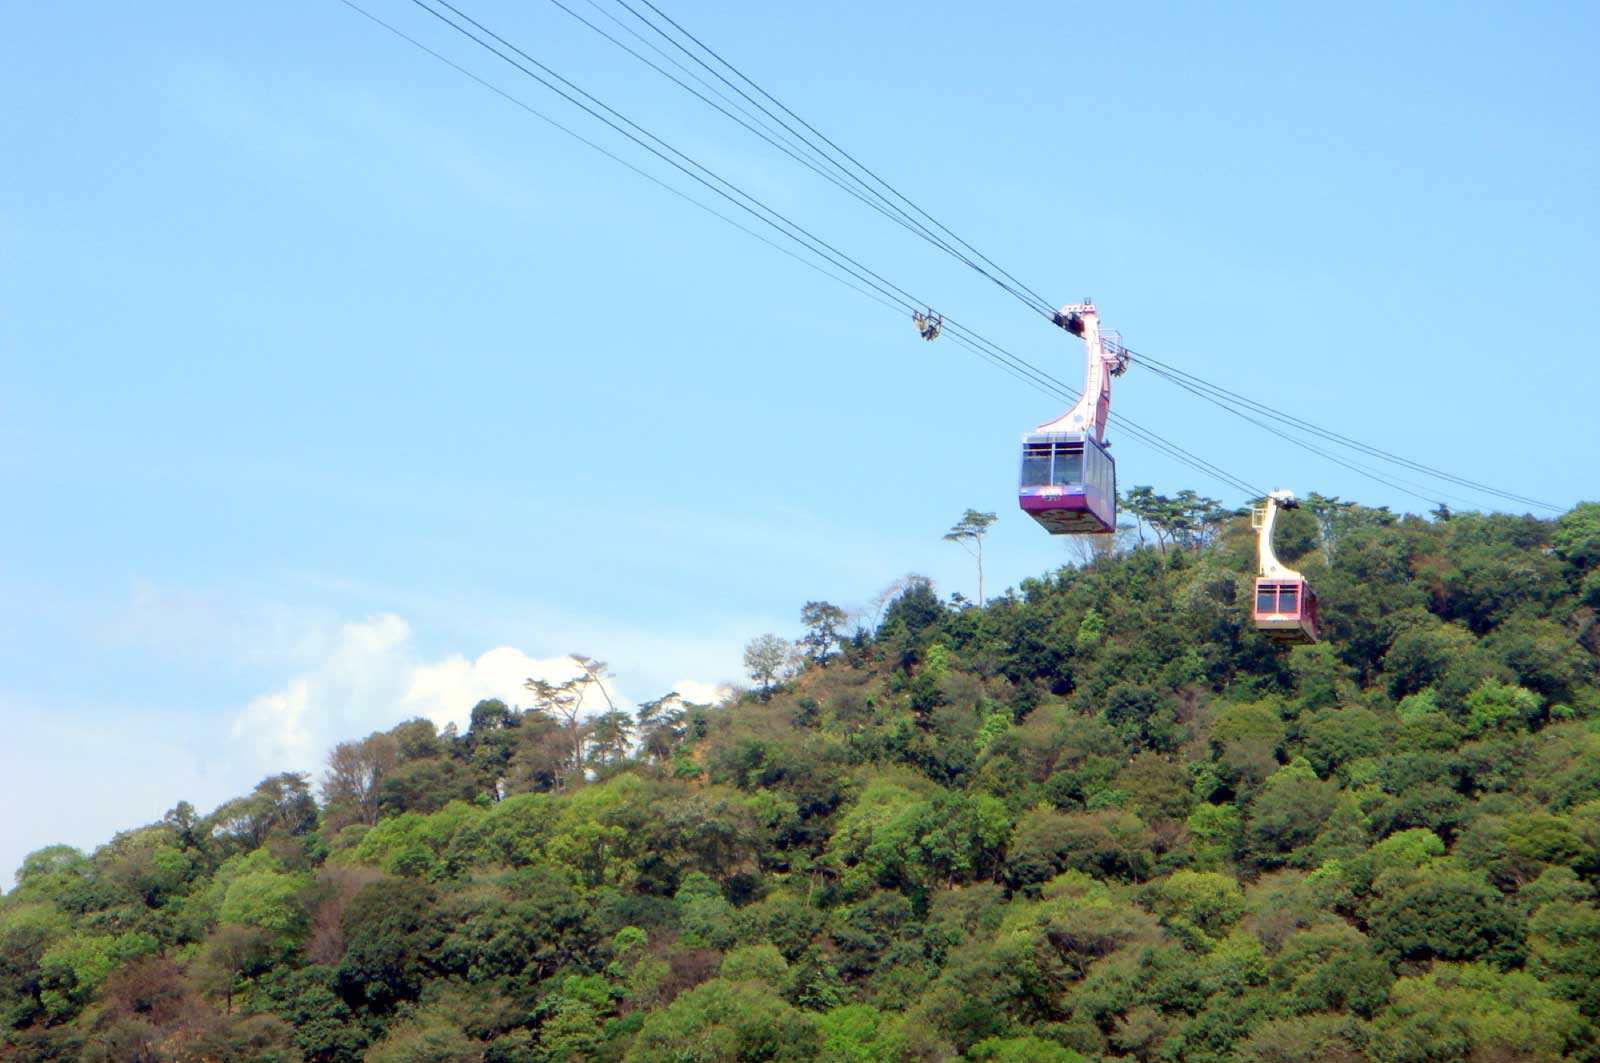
<point>728,191</point>
<point>1260,407</point>
<point>501,40</point>
<point>614,157</point>
<point>1234,406</point>
<point>1003,365</point>
<point>867,197</point>
<point>1056,388</point>
<point>1038,377</point>
<point>1302,444</point>
<point>1187,457</point>
<point>955,328</point>
<point>1327,434</point>
<point>852,159</point>
<point>787,227</point>
<point>1044,305</point>
<point>1012,363</point>
<point>785,148</point>
<point>1335,437</point>
<point>1028,375</point>
<point>777,131</point>
<point>874,280</point>
<point>759,210</point>
<point>1143,435</point>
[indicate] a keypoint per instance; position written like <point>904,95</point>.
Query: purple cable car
<point>1069,482</point>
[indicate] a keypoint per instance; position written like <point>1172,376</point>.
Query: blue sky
<point>336,389</point>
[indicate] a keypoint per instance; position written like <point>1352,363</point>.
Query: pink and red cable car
<point>1285,607</point>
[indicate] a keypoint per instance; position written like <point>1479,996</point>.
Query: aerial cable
<point>776,130</point>
<point>885,292</point>
<point>1301,443</point>
<point>614,157</point>
<point>1029,375</point>
<point>1327,433</point>
<point>1343,463</point>
<point>1046,384</point>
<point>852,159</point>
<point>868,197</point>
<point>1038,302</point>
<point>729,191</point>
<point>1004,366</point>
<point>759,210</point>
<point>898,298</point>
<point>783,225</point>
<point>1043,381</point>
<point>1044,306</point>
<point>837,257</point>
<point>1054,386</point>
<point>786,148</point>
<point>1230,402</point>
<point>1260,407</point>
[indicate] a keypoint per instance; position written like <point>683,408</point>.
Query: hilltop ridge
<point>1098,817</point>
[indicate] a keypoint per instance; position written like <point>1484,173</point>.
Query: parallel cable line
<point>745,201</point>
<point>1232,397</point>
<point>781,146</point>
<point>1286,437</point>
<point>1046,384</point>
<point>688,166</point>
<point>1227,396</point>
<point>1037,302</point>
<point>865,195</point>
<point>783,225</point>
<point>776,130</point>
<point>1012,364</point>
<point>1052,386</point>
<point>872,285</point>
<point>882,285</point>
<point>614,157</point>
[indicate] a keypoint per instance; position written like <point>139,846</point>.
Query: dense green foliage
<point>1097,818</point>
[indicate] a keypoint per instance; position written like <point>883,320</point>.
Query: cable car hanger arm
<point>1107,359</point>
<point>1268,564</point>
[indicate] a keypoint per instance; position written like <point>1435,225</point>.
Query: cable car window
<point>1069,467</point>
<point>1099,471</point>
<point>1035,465</point>
<point>1288,600</point>
<point>1266,600</point>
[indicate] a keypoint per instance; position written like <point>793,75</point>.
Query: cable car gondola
<point>1285,605</point>
<point>1069,481</point>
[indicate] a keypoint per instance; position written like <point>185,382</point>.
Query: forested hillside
<point>1096,818</point>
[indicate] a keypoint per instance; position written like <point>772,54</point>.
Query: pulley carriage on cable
<point>1285,605</point>
<point>1069,480</point>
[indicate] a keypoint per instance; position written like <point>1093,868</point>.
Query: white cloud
<point>370,679</point>
<point>126,765</point>
<point>354,689</point>
<point>701,693</point>
<point>445,692</point>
